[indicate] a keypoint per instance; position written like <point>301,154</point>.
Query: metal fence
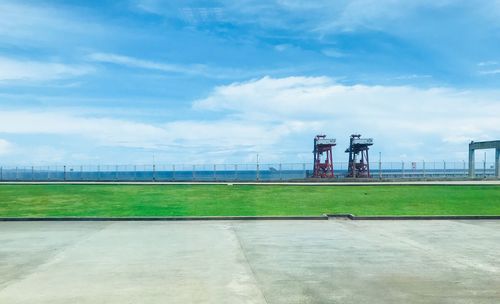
<point>236,172</point>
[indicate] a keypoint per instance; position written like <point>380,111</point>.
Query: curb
<point>413,217</point>
<point>251,218</point>
<point>159,218</point>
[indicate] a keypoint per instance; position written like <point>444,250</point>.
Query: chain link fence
<point>236,172</point>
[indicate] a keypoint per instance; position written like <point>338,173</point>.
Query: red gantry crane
<point>359,165</point>
<point>323,149</point>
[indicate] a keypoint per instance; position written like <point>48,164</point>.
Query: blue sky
<point>88,82</point>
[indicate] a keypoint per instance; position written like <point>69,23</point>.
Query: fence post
<point>423,166</point>
<point>235,172</point>
<point>32,173</point>
<point>48,173</point>
<point>215,174</point>
<point>194,174</point>
<point>154,172</point>
<point>403,169</point>
<point>379,170</point>
<point>484,167</point>
<point>281,176</point>
<point>64,172</point>
<point>173,172</point>
<point>304,170</point>
<point>444,167</point>
<point>1,173</point>
<point>257,172</point>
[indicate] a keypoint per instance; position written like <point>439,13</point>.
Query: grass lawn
<point>218,200</point>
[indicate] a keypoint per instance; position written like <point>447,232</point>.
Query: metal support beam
<point>497,162</point>
<point>473,146</point>
<point>472,169</point>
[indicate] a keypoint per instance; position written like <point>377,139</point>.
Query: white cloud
<point>411,77</point>
<point>328,16</point>
<point>488,63</point>
<point>278,117</point>
<point>36,24</point>
<point>490,72</point>
<point>5,147</point>
<point>186,69</point>
<point>143,64</point>
<point>25,21</point>
<point>333,53</point>
<point>226,136</point>
<point>391,114</point>
<point>107,131</point>
<point>372,14</point>
<point>282,47</point>
<point>231,133</point>
<point>12,69</point>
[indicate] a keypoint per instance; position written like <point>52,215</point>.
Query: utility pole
<point>257,166</point>
<point>484,165</point>
<point>380,165</point>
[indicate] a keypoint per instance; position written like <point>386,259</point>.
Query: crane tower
<point>323,168</point>
<point>359,165</point>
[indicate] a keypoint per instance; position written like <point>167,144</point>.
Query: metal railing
<point>236,172</point>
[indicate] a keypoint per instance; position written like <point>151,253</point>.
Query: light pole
<point>484,165</point>
<point>257,166</point>
<point>380,165</point>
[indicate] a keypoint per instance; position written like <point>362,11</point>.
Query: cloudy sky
<point>95,82</point>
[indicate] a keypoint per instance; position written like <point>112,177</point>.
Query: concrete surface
<point>335,261</point>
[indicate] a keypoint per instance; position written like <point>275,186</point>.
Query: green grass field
<point>240,200</point>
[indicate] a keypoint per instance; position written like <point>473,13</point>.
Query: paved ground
<point>339,183</point>
<point>336,261</point>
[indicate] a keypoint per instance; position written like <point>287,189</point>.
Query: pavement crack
<point>240,245</point>
<point>50,259</point>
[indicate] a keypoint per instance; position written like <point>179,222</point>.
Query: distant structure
<point>323,149</point>
<point>473,146</point>
<point>359,165</point>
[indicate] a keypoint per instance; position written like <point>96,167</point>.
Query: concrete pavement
<point>335,261</point>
